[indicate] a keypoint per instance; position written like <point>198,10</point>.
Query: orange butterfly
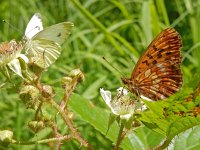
<point>157,74</point>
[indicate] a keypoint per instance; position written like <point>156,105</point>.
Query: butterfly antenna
<point>113,66</point>
<point>12,26</point>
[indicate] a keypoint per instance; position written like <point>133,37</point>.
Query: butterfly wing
<point>44,48</point>
<point>57,33</point>
<point>34,26</point>
<point>157,74</point>
<point>43,52</point>
<point>160,81</point>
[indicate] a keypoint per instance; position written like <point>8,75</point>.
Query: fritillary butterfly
<point>157,74</point>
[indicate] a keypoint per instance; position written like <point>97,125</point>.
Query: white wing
<point>43,46</point>
<point>34,26</point>
<point>57,33</point>
<point>43,52</point>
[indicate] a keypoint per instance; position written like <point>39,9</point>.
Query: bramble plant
<point>42,48</point>
<point>56,110</point>
<point>168,117</point>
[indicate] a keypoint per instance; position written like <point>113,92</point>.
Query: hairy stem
<point>75,134</point>
<point>66,137</point>
<point>68,92</point>
<point>120,137</point>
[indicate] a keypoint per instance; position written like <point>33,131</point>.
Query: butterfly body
<point>157,74</point>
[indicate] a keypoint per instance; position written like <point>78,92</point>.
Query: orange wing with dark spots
<point>157,74</point>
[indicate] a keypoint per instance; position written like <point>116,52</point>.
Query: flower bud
<point>66,81</point>
<point>30,95</point>
<point>47,91</point>
<point>6,137</point>
<point>36,126</point>
<point>76,73</point>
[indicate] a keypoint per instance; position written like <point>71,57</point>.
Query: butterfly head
<point>131,85</point>
<point>126,81</point>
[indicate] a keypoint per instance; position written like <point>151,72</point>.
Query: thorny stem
<point>38,84</point>
<point>57,134</point>
<point>75,133</point>
<point>68,92</point>
<point>66,137</point>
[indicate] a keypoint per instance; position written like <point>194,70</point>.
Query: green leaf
<point>172,116</point>
<point>188,140</point>
<point>154,118</point>
<point>144,138</point>
<point>112,119</point>
<point>99,118</point>
<point>5,72</point>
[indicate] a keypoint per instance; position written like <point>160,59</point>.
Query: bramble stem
<point>120,137</point>
<point>75,133</point>
<point>68,92</point>
<point>66,137</point>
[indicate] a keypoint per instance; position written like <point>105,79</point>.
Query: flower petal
<point>106,95</point>
<point>14,65</point>
<point>126,116</point>
<point>22,56</point>
<point>122,90</point>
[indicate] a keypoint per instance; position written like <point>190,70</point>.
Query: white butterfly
<point>43,46</point>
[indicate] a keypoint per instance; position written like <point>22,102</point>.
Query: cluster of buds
<point>30,96</point>
<point>41,123</point>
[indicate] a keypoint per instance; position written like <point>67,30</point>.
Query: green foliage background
<point>119,30</point>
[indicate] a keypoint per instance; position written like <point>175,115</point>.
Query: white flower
<point>11,57</point>
<point>9,51</point>
<point>121,105</point>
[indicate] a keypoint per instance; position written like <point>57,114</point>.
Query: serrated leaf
<point>182,124</point>
<point>144,138</point>
<point>187,140</point>
<point>173,116</point>
<point>154,118</point>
